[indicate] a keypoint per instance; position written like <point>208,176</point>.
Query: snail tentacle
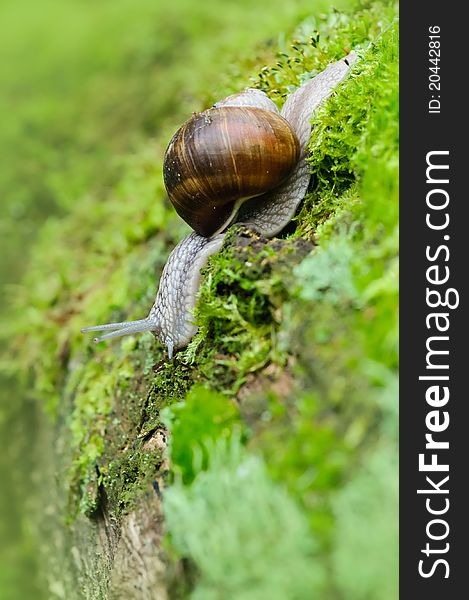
<point>124,328</point>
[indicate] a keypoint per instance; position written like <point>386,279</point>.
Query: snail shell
<point>221,157</point>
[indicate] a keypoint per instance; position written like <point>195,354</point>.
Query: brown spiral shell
<point>223,156</point>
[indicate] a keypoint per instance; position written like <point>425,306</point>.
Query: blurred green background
<point>82,81</point>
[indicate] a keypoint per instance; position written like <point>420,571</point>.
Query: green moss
<point>205,416</point>
<point>246,536</point>
<point>246,285</point>
<point>360,569</point>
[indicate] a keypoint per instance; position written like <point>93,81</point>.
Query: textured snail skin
<point>178,289</point>
<point>171,317</point>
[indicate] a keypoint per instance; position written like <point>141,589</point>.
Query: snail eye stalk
<point>121,329</point>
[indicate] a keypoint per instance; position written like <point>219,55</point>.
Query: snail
<point>239,161</point>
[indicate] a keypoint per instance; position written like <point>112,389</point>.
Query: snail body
<point>238,161</point>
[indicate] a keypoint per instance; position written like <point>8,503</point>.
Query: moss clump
<point>206,416</point>
<point>255,528</point>
<point>240,300</point>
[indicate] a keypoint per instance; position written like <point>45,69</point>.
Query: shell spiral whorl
<point>268,178</point>
<point>222,156</point>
